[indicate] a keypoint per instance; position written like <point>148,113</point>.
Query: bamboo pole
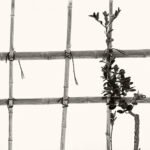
<point>109,46</point>
<point>66,80</point>
<point>11,51</point>
<point>85,54</point>
<point>72,100</point>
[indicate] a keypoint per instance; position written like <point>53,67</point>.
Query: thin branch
<point>136,130</point>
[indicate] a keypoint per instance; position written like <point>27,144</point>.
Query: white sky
<point>40,25</point>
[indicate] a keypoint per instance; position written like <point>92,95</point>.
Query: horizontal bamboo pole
<point>72,100</point>
<point>91,54</point>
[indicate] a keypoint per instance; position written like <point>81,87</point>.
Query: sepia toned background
<point>41,25</point>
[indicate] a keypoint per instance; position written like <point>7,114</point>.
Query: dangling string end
<point>70,56</point>
<point>22,73</point>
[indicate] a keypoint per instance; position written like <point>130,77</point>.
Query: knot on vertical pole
<point>64,101</point>
<point>68,54</point>
<point>10,102</point>
<point>10,56</point>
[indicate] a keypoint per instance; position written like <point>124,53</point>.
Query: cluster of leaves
<point>116,83</point>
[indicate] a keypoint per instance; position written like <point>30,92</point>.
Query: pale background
<point>40,25</point>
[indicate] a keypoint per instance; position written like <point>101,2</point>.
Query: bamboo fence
<point>54,55</point>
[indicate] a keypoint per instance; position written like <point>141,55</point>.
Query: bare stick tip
<point>69,3</point>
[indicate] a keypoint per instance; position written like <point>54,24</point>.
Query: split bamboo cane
<point>66,80</point>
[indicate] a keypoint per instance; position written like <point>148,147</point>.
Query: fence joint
<point>10,56</point>
<point>10,102</point>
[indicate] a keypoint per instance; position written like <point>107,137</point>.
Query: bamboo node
<point>10,140</point>
<point>107,134</point>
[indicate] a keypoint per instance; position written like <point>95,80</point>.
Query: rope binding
<point>64,101</point>
<point>10,102</point>
<point>10,56</point>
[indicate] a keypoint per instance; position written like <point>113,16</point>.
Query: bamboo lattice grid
<point>91,54</point>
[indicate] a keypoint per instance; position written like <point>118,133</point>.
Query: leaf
<point>122,71</point>
<point>106,94</point>
<point>132,90</point>
<point>116,13</point>
<point>123,104</point>
<point>113,115</point>
<point>111,107</point>
<point>129,107</point>
<point>116,68</point>
<point>93,15</point>
<point>120,111</point>
<point>105,83</point>
<point>97,16</point>
<point>105,13</point>
<point>101,22</point>
<point>90,15</point>
<point>124,94</point>
<point>119,10</point>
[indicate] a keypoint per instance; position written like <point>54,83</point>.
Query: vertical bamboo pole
<point>108,126</point>
<point>11,50</point>
<point>66,80</point>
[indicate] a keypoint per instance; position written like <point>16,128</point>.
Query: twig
<point>136,130</point>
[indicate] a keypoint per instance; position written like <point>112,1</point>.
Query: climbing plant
<point>116,84</point>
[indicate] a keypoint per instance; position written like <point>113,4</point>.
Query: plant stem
<point>112,127</point>
<point>136,130</point>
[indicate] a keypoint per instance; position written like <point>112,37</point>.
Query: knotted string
<point>12,58</point>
